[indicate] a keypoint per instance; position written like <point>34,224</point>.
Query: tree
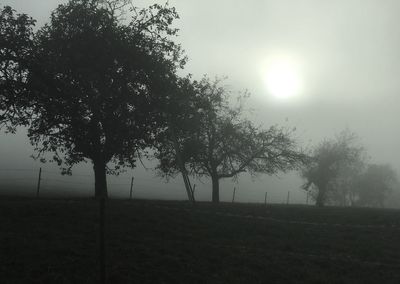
<point>16,34</point>
<point>222,144</point>
<point>375,184</point>
<point>180,110</point>
<point>333,166</point>
<point>92,82</point>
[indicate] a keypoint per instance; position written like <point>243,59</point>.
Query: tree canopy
<point>93,81</point>
<point>16,34</point>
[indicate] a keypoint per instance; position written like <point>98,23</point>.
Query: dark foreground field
<point>55,241</point>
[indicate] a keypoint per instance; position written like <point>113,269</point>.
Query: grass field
<point>55,241</point>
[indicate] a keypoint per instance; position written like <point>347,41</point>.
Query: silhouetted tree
<point>222,144</point>
<point>333,167</point>
<point>16,34</point>
<point>344,187</point>
<point>180,110</point>
<point>375,184</point>
<point>92,80</point>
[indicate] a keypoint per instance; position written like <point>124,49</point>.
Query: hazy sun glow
<point>282,78</point>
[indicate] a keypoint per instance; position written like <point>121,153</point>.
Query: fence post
<point>233,196</point>
<point>265,198</point>
<point>288,195</point>
<point>38,183</point>
<point>130,194</point>
<point>102,249</point>
<point>307,198</point>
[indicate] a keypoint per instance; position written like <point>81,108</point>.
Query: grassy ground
<point>55,241</point>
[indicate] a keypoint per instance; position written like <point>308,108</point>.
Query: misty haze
<point>199,141</point>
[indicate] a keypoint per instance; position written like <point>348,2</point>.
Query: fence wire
<point>25,181</point>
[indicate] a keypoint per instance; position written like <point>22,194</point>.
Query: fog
<point>346,53</point>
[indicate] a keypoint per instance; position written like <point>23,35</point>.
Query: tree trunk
<point>215,189</point>
<point>181,164</point>
<point>320,202</point>
<point>100,183</point>
<point>351,197</point>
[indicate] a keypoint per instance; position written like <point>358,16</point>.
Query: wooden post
<point>102,250</point>
<point>233,196</point>
<point>38,183</point>
<point>265,199</point>
<point>288,195</point>
<point>130,194</point>
<point>307,197</point>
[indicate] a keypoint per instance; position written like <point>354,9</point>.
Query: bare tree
<point>223,144</point>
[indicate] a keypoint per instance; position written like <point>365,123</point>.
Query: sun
<point>282,78</point>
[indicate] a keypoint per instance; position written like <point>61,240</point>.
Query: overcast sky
<point>346,58</point>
